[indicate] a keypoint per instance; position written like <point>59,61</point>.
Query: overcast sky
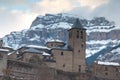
<point>16,15</point>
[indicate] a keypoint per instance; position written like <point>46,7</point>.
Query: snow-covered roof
<point>32,50</point>
<point>6,50</point>
<point>108,63</point>
<point>55,40</point>
<point>36,46</point>
<point>46,54</point>
<point>11,53</point>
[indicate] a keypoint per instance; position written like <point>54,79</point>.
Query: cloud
<point>12,20</point>
<point>2,9</point>
<point>58,6</point>
<point>109,9</point>
<point>15,21</point>
<point>52,6</point>
<point>13,2</point>
<point>92,3</point>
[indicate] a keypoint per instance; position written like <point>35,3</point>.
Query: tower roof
<point>77,24</point>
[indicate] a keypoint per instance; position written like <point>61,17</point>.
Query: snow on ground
<point>35,38</point>
<point>102,41</point>
<point>90,52</point>
<point>38,27</point>
<point>116,50</point>
<point>99,29</point>
<point>98,45</point>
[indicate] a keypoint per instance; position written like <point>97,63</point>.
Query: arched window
<point>81,34</point>
<point>77,34</point>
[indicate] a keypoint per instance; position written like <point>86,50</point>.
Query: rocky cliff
<point>100,32</point>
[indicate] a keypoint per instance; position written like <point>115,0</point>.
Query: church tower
<point>77,43</point>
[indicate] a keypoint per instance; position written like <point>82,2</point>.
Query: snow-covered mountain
<point>100,32</point>
<point>113,55</point>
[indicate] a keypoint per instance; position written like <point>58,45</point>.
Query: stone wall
<point>106,72</point>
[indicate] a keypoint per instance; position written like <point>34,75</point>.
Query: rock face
<point>100,32</point>
<point>104,35</point>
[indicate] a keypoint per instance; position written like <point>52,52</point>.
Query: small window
<point>61,53</point>
<point>51,45</point>
<point>117,70</point>
<point>78,50</point>
<point>63,65</point>
<point>82,45</point>
<point>81,36</point>
<point>81,32</point>
<point>106,74</point>
<point>106,69</point>
<point>77,34</point>
<point>79,69</point>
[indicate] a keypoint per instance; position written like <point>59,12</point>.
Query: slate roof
<point>78,25</point>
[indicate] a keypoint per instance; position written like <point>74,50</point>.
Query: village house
<point>106,70</point>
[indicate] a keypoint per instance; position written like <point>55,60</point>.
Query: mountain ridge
<point>54,27</point>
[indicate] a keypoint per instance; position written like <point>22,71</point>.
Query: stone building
<point>3,60</point>
<point>52,44</point>
<point>21,71</point>
<point>57,61</point>
<point>71,58</point>
<point>106,70</point>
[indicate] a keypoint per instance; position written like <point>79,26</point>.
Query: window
<point>81,32</point>
<point>79,68</point>
<point>117,70</point>
<point>63,65</point>
<point>81,36</point>
<point>51,45</point>
<point>106,69</point>
<point>82,45</point>
<point>77,34</point>
<point>106,74</point>
<point>61,53</point>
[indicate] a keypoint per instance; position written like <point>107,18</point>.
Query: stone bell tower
<point>77,43</point>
